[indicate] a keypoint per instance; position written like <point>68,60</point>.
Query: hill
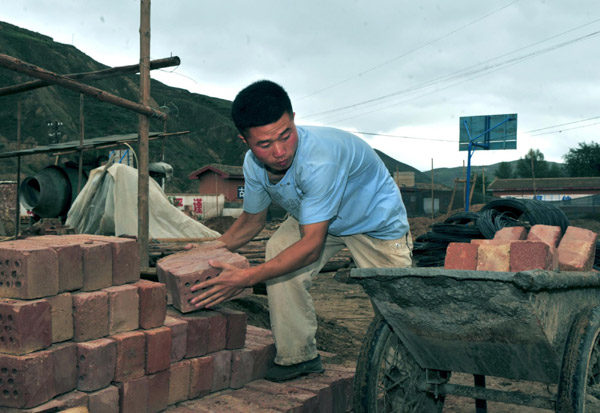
<point>212,137</point>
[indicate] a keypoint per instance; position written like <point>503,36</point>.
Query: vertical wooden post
<point>81,137</point>
<point>483,184</point>
<point>144,127</point>
<point>18,192</point>
<point>432,202</point>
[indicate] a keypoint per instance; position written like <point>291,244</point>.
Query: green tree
<point>533,159</point>
<point>584,160</point>
<point>504,171</point>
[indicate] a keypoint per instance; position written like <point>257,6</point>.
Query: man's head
<point>260,104</point>
<point>263,114</point>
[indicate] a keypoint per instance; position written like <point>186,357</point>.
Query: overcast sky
<point>400,72</point>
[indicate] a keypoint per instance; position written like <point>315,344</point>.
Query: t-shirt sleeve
<point>256,198</point>
<point>323,186</point>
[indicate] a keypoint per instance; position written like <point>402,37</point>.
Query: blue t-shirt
<point>334,176</point>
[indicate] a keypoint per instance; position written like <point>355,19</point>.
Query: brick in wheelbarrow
<point>531,255</point>
<point>125,256</point>
<point>96,361</point>
<point>152,304</point>
<point>309,399</point>
<point>493,255</point>
<point>461,256</point>
<point>123,308</point>
<point>27,271</point>
<point>549,234</point>
<point>25,326</point>
<point>182,279</point>
<point>27,380</point>
<point>70,260</point>
<point>577,249</point>
<point>90,315</point>
<point>511,234</point>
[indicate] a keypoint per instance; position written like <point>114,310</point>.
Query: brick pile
<point>78,327</point>
<point>516,249</point>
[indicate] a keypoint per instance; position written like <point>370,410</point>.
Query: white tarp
<point>107,205</point>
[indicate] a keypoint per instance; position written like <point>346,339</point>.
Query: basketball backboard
<point>490,132</point>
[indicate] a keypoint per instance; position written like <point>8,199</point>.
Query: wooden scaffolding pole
<point>144,127</point>
<point>97,75</point>
<point>37,72</point>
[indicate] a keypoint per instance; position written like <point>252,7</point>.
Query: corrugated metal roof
<point>545,184</point>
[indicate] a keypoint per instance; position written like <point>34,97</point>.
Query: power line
<point>563,124</point>
<point>407,53</point>
<point>405,137</point>
<point>465,72</point>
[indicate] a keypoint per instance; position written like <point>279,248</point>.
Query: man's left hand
<point>229,283</point>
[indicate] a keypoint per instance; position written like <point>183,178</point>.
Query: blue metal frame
<point>472,147</point>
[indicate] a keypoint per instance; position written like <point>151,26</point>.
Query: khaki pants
<point>293,318</point>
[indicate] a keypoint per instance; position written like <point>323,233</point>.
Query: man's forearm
<point>245,228</point>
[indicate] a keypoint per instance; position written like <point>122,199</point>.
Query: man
<point>338,193</point>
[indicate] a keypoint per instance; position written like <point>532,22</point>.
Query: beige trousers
<point>293,318</point>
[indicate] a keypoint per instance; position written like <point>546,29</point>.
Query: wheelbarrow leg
<point>480,404</point>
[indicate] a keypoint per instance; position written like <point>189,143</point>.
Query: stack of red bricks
<point>79,328</point>
<point>516,249</point>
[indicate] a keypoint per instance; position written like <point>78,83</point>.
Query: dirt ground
<point>344,313</point>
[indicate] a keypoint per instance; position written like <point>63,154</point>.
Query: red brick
<point>511,233</point>
<point>197,335</point>
<point>309,399</point>
<point>341,381</point>
<point>236,327</point>
<point>90,315</point>
<point>27,271</point>
<point>123,308</point>
<point>25,326</point>
<point>184,257</point>
<point>258,332</point>
<point>493,255</point>
<point>551,235</point>
<point>181,279</point>
<point>105,400</point>
<point>158,349</point>
<point>461,256</point>
<point>577,250</point>
<point>64,357</point>
<point>96,361</point>
<point>242,367</point>
<point>201,376</point>
<point>217,330</point>
<point>73,400</point>
<point>125,258</point>
<point>158,391</point>
<point>70,261</point>
<point>62,317</point>
<point>264,354</point>
<point>153,303</point>
<point>131,355</point>
<point>178,329</point>
<point>27,380</point>
<point>179,381</point>
<point>133,395</point>
<point>97,265</point>
<point>222,370</point>
<point>530,255</point>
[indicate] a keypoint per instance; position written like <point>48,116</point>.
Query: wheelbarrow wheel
<point>579,383</point>
<point>388,377</point>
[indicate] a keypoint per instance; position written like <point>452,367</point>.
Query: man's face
<point>274,144</point>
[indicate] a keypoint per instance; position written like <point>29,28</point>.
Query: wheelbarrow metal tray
<point>504,324</point>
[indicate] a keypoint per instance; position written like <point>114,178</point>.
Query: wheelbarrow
<point>538,326</point>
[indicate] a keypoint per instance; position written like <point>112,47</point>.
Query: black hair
<point>261,103</point>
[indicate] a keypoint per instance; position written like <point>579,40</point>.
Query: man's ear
<point>243,139</point>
